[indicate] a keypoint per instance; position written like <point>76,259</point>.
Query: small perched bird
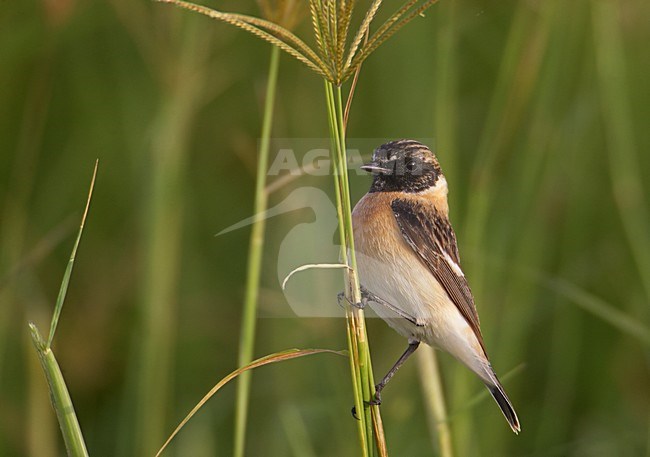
<point>409,266</point>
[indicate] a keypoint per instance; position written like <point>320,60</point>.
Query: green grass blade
<point>59,394</point>
<point>256,246</point>
<point>434,398</point>
<point>68,271</point>
<point>61,401</point>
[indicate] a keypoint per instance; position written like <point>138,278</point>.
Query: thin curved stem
<point>255,251</point>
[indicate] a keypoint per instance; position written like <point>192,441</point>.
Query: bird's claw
<point>377,400</point>
<point>341,296</point>
<point>374,402</point>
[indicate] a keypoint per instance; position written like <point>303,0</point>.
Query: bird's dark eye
<point>411,165</point>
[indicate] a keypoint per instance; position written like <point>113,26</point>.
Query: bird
<point>409,266</point>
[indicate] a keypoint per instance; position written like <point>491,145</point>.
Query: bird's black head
<point>403,165</point>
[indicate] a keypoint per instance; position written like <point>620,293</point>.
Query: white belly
<point>409,286</point>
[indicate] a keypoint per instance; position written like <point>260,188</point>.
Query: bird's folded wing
<point>431,237</point>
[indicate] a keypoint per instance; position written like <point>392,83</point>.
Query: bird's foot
<point>377,400</point>
<point>361,305</point>
<point>374,402</point>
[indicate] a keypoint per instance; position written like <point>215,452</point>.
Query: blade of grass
<point>255,250</point>
<point>434,397</point>
<point>60,397</point>
<point>61,401</point>
<point>312,266</point>
<point>268,359</point>
<point>68,271</point>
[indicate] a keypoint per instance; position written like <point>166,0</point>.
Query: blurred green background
<point>540,114</point>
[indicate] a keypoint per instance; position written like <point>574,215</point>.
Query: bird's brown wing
<point>431,237</point>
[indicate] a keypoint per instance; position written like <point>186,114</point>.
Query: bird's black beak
<point>373,167</point>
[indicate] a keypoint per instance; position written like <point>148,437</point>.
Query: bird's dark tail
<point>502,400</point>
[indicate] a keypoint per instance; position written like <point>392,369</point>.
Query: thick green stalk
<point>72,436</point>
<point>255,250</point>
<point>434,397</point>
<point>369,425</point>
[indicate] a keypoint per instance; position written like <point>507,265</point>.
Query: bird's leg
<point>413,345</point>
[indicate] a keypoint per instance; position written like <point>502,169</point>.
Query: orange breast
<point>376,232</point>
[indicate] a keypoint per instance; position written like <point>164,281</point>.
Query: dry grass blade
<point>312,266</point>
<point>272,358</point>
<point>266,30</point>
<point>365,25</point>
<point>387,30</point>
<point>378,428</point>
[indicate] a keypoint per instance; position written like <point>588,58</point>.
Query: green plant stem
<point>255,250</point>
<point>370,424</point>
<point>434,397</point>
<point>74,441</point>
